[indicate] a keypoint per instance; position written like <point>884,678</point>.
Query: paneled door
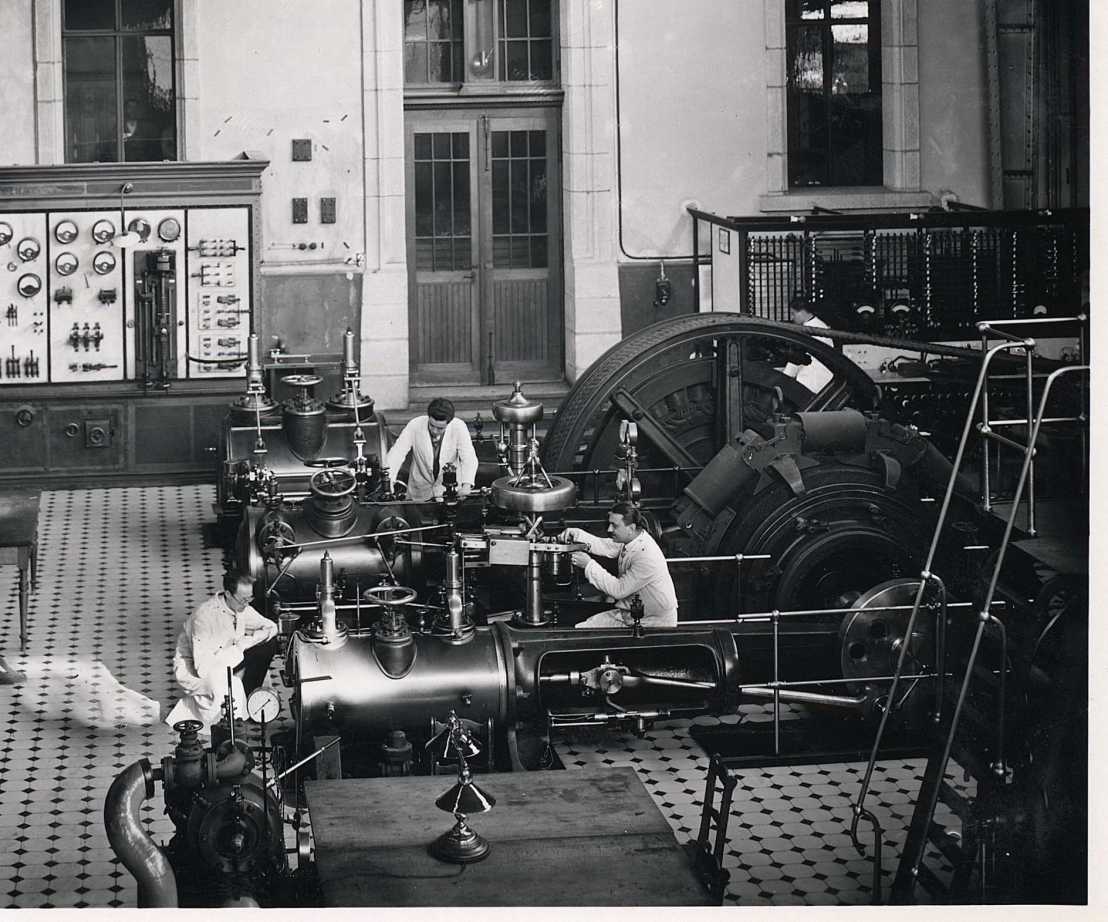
<point>484,246</point>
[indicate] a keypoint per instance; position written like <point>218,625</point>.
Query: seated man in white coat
<point>224,632</point>
<point>641,568</point>
<point>813,375</point>
<point>434,440</point>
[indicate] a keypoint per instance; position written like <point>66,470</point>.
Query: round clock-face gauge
<point>29,285</point>
<point>169,229</point>
<point>6,233</point>
<point>139,226</point>
<point>103,262</point>
<point>28,248</point>
<point>66,263</point>
<point>65,232</point>
<point>103,230</point>
<point>264,704</point>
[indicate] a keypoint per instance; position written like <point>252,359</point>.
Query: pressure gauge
<point>141,227</point>
<point>65,232</point>
<point>6,233</point>
<point>65,263</point>
<point>29,285</point>
<point>103,262</point>
<point>264,704</point>
<point>28,248</point>
<point>169,229</point>
<point>103,230</point>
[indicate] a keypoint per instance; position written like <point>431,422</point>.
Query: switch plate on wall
<point>327,209</point>
<point>299,211</point>
<point>301,149</point>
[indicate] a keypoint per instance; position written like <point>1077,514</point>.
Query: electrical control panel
<point>23,298</point>
<point>144,294</point>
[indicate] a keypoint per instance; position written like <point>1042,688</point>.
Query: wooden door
<point>484,246</point>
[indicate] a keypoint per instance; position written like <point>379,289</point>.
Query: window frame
<point>826,24</point>
<point>487,82</point>
<point>117,35</point>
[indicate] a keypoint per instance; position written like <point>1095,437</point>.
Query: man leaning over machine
<point>434,440</point>
<point>640,565</point>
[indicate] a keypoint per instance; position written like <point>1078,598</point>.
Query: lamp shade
<point>465,797</point>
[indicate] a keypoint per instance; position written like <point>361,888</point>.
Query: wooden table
<point>19,544</point>
<point>591,837</point>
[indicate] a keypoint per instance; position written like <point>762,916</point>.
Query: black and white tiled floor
<point>119,570</point>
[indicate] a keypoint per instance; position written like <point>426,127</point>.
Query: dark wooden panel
<point>22,448</point>
<point>444,323</point>
<point>519,319</point>
<point>637,294</point>
<point>86,436</point>
<point>163,434</point>
<point>569,838</point>
<point>309,313</point>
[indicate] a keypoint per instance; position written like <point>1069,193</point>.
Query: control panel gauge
<point>29,285</point>
<point>264,704</point>
<point>28,248</point>
<point>141,227</point>
<point>103,230</point>
<point>169,229</point>
<point>65,263</point>
<point>6,233</point>
<point>103,262</point>
<point>65,232</point>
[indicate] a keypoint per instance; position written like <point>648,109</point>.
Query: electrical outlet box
<point>299,211</point>
<point>327,208</point>
<point>301,149</point>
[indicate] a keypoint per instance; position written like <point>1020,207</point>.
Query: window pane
<point>415,20</point>
<point>540,19</point>
<point>424,199</point>
<point>514,23</point>
<point>90,100</point>
<point>423,147</point>
<point>461,198</point>
<point>147,15</point>
<point>811,9</point>
<point>149,104</point>
<point>439,60</point>
<point>89,14</point>
<point>442,145</point>
<point>520,197</point>
<point>500,220</point>
<point>850,59</point>
<point>849,9</point>
<point>519,143</point>
<point>461,146</point>
<point>538,196</point>
<point>439,19</point>
<point>415,62</point>
<point>539,251</point>
<point>542,64</point>
<point>808,60</point>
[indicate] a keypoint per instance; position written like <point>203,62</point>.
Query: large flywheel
<point>693,383</point>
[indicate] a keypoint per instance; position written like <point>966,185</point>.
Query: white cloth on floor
<point>83,690</point>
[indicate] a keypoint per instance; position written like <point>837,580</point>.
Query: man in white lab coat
<point>225,631</point>
<point>641,567</point>
<point>434,440</point>
<point>815,374</point>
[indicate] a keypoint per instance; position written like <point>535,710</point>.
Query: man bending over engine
<point>434,440</point>
<point>641,566</point>
<point>225,631</point>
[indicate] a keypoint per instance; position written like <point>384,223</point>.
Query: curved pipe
<point>157,885</point>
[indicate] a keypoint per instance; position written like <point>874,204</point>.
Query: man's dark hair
<point>631,513</point>
<point>441,409</point>
<point>801,302</point>
<point>232,578</point>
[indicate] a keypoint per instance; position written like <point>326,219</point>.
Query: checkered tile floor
<point>120,569</point>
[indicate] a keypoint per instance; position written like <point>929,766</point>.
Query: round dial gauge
<point>6,233</point>
<point>66,263</point>
<point>29,285</point>
<point>169,229</point>
<point>103,230</point>
<point>263,704</point>
<point>65,232</point>
<point>141,227</point>
<point>103,262</point>
<point>28,248</point>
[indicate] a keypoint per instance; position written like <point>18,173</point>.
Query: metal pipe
<point>1031,467</point>
<point>766,615</point>
<point>987,433</point>
<point>802,697</point>
<point>1046,419</point>
<point>801,683</point>
<point>998,764</point>
<point>776,679</point>
<point>455,592</point>
<point>346,540</point>
<point>722,558</point>
<point>327,615</point>
<point>157,885</point>
<point>1024,321</point>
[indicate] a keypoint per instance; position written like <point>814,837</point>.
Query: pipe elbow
<point>157,885</point>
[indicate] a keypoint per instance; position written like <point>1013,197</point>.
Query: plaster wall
<point>17,82</point>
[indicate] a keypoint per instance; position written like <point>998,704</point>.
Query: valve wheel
<point>332,483</point>
<point>302,380</point>
<point>327,463</point>
<point>389,595</point>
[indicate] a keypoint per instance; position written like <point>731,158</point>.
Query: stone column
<point>384,332</point>
<point>49,114</point>
<point>592,307</point>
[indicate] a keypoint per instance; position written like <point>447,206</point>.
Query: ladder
<point>973,736</point>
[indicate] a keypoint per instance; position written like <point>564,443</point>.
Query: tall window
<point>467,41</point>
<point>120,96</point>
<point>834,92</point>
